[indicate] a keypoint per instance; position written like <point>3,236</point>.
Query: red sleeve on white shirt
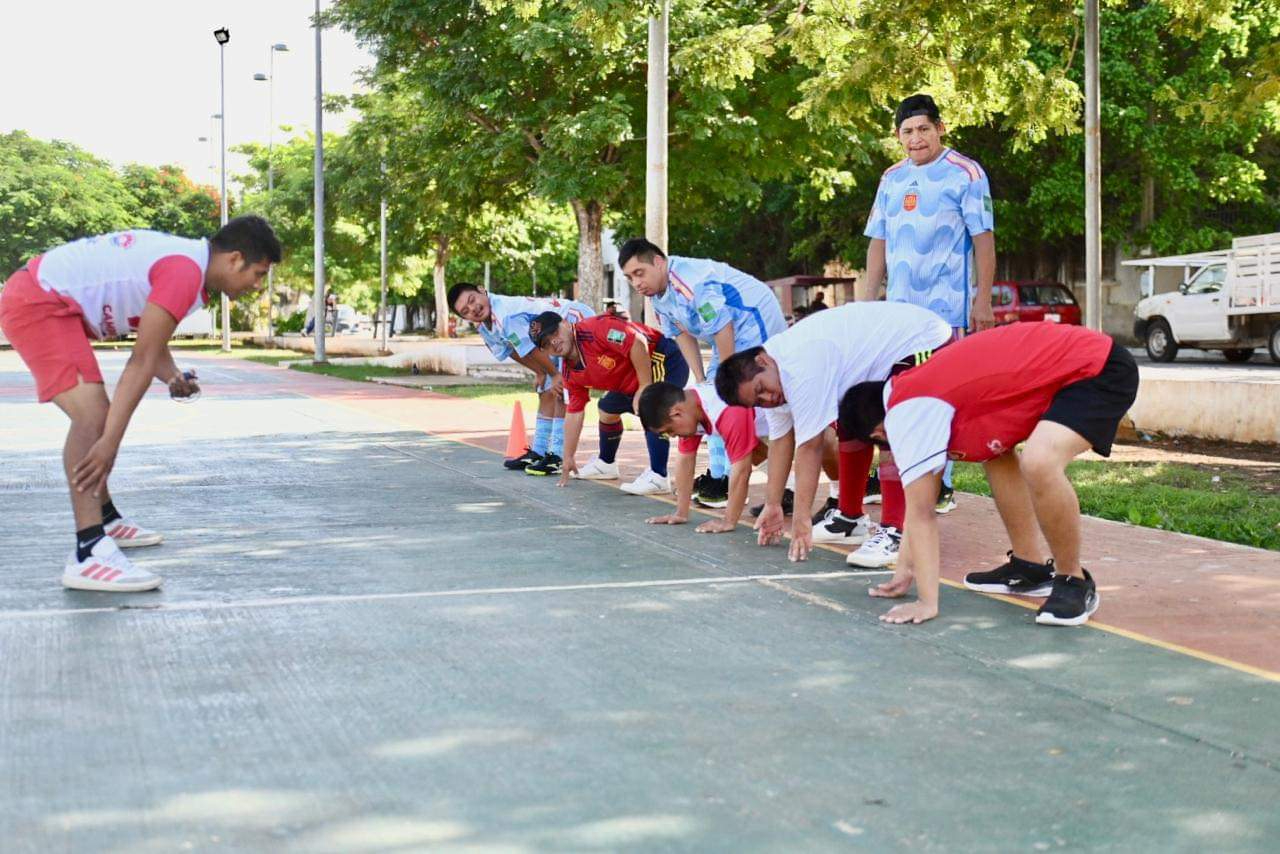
<point>737,426</point>
<point>176,281</point>
<point>689,444</point>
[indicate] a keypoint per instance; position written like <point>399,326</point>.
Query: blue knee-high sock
<point>946,474</point>
<point>718,456</point>
<point>610,439</point>
<point>541,434</point>
<point>659,449</point>
<point>557,437</point>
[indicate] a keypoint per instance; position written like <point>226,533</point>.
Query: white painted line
<point>439,594</point>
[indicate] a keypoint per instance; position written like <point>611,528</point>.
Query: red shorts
<point>47,330</point>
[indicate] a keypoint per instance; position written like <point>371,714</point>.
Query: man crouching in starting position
<point>1060,389</point>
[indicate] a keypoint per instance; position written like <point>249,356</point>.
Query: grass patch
<point>1167,496</point>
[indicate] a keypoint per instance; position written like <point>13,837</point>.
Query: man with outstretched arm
<point>1060,389</point>
<point>503,323</point>
<point>800,376</point>
<point>620,358</point>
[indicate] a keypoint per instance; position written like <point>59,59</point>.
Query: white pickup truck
<point>1232,304</point>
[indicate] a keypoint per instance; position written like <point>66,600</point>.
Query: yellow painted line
<point>1269,675</point>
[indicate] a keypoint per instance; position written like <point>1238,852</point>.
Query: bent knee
<point>1038,464</point>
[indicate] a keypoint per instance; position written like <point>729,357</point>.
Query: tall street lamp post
<point>223,35</point>
<point>270,78</point>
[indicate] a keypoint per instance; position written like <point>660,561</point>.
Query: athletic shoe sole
<point>644,490</point>
<point>820,536</point>
<point>140,542</point>
<point>943,509</point>
<point>871,499</point>
<point>870,563</point>
<point>1042,591</point>
<point>76,582</point>
<point>1047,619</point>
<point>580,476</point>
<point>532,472</point>
<point>713,503</point>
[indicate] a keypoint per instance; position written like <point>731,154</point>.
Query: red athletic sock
<point>855,464</point>
<point>893,510</point>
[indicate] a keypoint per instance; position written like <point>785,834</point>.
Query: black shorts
<point>1093,407</point>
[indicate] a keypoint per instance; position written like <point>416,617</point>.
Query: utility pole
<point>223,35</point>
<point>655,179</point>
<point>1092,172</point>
<point>321,311</point>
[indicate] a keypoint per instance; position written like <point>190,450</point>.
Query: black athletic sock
<point>110,513</point>
<point>87,539</point>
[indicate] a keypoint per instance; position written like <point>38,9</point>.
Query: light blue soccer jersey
<point>702,297</point>
<point>511,316</point>
<point>927,217</point>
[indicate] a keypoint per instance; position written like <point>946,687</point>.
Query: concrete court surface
<point>375,639</point>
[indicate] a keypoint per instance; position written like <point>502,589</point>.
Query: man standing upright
<point>700,301</point>
<point>932,233</point>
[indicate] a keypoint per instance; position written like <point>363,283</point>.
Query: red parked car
<point>1018,300</point>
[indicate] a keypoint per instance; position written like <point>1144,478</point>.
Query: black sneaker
<point>525,459</point>
<point>873,489</point>
<point>713,491</point>
<point>832,506</point>
<point>547,464</point>
<point>788,504</point>
<point>1016,576</point>
<point>1071,603</point>
<point>946,501</point>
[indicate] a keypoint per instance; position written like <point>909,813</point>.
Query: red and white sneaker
<point>130,535</point>
<point>107,569</point>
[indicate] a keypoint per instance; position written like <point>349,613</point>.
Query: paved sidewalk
<point>374,638</point>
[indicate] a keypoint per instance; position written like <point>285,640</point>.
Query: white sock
<point>834,489</point>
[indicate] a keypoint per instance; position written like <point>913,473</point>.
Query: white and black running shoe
<point>547,464</point>
<point>832,506</point>
<point>872,495</point>
<point>525,459</point>
<point>1071,603</point>
<point>1016,576</point>
<point>712,491</point>
<point>840,530</point>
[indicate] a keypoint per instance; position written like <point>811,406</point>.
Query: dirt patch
<point>1257,463</point>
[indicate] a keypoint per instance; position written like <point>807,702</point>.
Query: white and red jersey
<point>111,278</point>
<point>738,426</point>
<point>980,397</point>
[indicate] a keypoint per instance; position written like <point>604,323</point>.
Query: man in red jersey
<point>620,358</point>
<point>1060,389</point>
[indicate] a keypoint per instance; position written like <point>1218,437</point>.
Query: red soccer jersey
<point>604,348</point>
<point>1001,382</point>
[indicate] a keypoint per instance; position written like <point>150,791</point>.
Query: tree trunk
<point>590,216</point>
<point>442,294</point>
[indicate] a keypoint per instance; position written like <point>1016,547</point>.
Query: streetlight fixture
<point>270,79</point>
<point>222,35</point>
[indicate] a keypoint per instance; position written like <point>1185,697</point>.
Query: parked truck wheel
<point>1238,355</point>
<point>1160,344</point>
<point>1273,344</point>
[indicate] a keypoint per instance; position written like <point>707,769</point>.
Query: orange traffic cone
<point>517,438</point>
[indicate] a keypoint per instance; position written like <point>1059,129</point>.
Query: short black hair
<point>917,105</point>
<point>734,371</point>
<point>861,411</point>
<point>638,246</point>
<point>251,236</point>
<point>458,290</point>
<point>656,402</point>
<point>543,327</point>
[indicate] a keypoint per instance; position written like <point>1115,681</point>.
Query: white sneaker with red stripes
<point>131,535</point>
<point>107,569</point>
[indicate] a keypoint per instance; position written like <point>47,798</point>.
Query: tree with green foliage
<point>54,192</point>
<point>169,201</point>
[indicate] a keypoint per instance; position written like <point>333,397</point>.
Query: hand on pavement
<point>769,524</point>
<point>910,612</point>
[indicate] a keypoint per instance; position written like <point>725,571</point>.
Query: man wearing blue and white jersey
<point>503,323</point>
<point>703,301</point>
<point>932,231</point>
